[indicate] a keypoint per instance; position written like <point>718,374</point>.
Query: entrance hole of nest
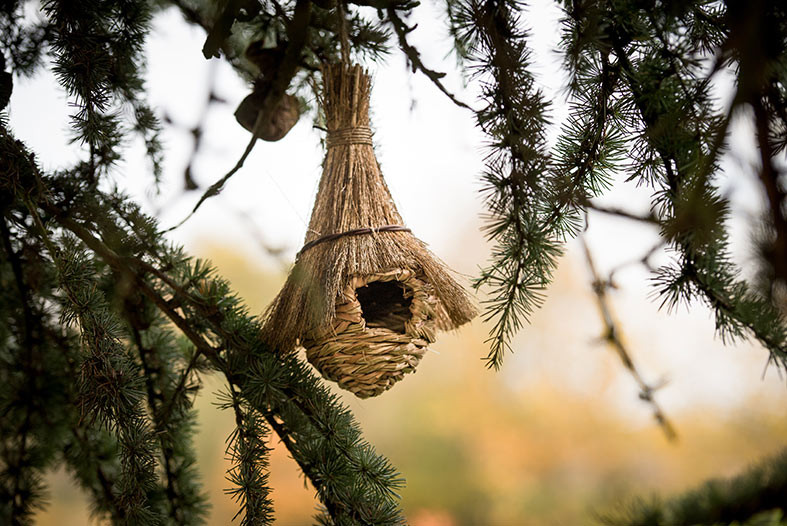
<point>384,305</point>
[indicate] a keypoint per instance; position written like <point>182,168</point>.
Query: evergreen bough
<point>106,326</point>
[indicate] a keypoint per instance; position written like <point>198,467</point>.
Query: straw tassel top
<point>359,197</point>
<point>355,228</point>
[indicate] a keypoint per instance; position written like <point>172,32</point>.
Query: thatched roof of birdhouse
<point>352,199</point>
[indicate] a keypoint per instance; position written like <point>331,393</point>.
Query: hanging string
<point>292,205</point>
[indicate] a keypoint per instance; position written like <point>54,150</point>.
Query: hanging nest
<point>365,297</point>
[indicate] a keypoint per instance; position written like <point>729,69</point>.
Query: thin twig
<point>401,29</point>
<point>769,176</point>
<point>650,219</point>
<point>181,385</point>
<point>256,233</point>
<point>297,32</point>
<point>24,293</point>
<point>612,336</point>
<point>644,261</point>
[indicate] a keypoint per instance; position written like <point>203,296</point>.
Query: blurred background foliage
<point>485,448</point>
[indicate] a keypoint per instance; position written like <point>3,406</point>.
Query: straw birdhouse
<point>365,297</point>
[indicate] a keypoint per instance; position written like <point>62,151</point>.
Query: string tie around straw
<point>354,135</point>
<point>354,232</point>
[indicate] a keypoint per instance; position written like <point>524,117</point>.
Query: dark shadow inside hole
<point>384,306</point>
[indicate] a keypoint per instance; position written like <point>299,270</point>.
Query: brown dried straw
<point>353,196</point>
<point>368,356</point>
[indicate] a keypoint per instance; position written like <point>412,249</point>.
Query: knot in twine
<point>355,135</point>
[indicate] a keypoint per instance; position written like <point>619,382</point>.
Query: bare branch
<point>612,336</point>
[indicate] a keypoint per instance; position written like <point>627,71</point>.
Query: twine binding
<point>354,232</point>
<point>353,135</point>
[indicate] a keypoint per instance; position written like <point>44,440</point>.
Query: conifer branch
<point>704,269</point>
<point>171,411</point>
<point>24,294</point>
<point>83,457</point>
<point>88,451</point>
<point>97,59</point>
<point>640,91</point>
<point>534,201</point>
<point>17,462</point>
<point>109,387</point>
<point>183,385</point>
<point>363,490</point>
<point>25,485</point>
<point>752,494</point>
<point>248,453</point>
<point>43,388</point>
<point>31,384</point>
<point>513,118</point>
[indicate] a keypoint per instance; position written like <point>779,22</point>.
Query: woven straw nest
<point>365,296</point>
